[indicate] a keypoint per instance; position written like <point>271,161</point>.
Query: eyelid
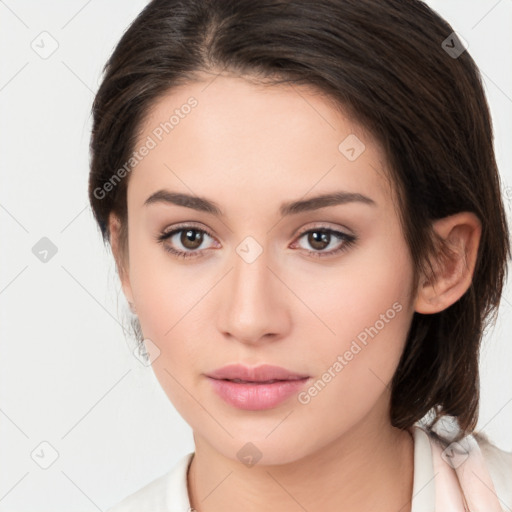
<point>184,225</point>
<point>321,225</point>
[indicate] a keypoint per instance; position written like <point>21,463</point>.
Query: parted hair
<point>393,66</point>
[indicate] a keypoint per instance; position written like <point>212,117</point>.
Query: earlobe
<point>120,258</point>
<point>453,272</point>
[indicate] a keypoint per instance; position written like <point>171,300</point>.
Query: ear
<point>120,258</point>
<point>453,275</point>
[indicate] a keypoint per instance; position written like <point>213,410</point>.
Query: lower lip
<point>256,397</point>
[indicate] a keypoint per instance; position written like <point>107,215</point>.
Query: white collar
<point>437,484</point>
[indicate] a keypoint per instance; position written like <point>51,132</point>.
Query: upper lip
<point>260,373</point>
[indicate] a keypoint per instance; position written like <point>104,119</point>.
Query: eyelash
<point>348,240</point>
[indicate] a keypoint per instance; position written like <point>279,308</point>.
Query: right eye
<point>189,237</point>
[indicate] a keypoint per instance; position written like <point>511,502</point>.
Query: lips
<point>263,374</point>
<point>256,389</point>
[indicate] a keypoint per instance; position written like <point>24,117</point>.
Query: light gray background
<point>67,375</point>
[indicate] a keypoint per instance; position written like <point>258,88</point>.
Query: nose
<point>253,306</point>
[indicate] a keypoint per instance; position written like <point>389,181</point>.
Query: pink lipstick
<point>258,388</point>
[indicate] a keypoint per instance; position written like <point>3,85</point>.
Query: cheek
<point>171,314</point>
<point>356,368</point>
<point>369,288</point>
<point>366,308</point>
<point>164,291</point>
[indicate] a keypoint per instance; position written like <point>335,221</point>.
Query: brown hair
<point>385,62</point>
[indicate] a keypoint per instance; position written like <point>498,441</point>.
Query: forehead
<point>228,136</point>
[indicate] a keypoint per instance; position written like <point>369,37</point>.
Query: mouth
<point>258,395</point>
<point>263,374</point>
<point>241,381</point>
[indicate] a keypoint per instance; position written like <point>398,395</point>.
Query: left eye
<point>321,238</point>
<point>191,238</point>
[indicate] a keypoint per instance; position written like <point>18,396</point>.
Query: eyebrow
<point>289,208</point>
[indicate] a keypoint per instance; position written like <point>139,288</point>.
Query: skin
<point>249,148</point>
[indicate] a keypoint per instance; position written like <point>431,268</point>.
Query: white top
<point>470,475</point>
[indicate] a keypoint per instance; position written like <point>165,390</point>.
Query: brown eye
<point>319,239</point>
<point>185,241</point>
<point>191,238</point>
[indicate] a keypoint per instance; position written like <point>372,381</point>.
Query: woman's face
<point>262,283</point>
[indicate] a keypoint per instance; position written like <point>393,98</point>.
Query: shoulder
<point>152,496</point>
<point>485,459</point>
<point>499,464</point>
<point>166,493</point>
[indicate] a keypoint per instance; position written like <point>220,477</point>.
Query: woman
<point>304,207</point>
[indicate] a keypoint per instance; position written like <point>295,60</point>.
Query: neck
<point>368,468</point>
